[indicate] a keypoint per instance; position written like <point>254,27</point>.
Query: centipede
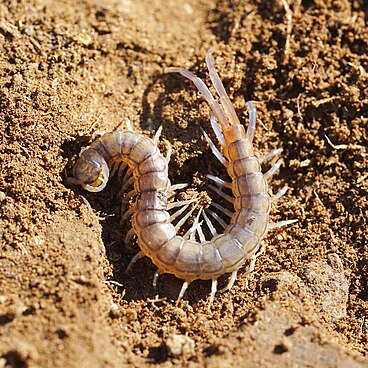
<point>146,169</point>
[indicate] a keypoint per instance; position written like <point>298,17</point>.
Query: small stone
<point>179,345</point>
<point>2,196</point>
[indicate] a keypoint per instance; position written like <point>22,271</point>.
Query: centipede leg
<point>217,218</point>
<point>267,175</point>
<point>158,134</point>
<point>128,236</point>
<point>220,182</point>
<point>254,260</point>
<point>209,225</point>
<point>139,255</point>
<point>126,199</point>
<point>224,210</point>
<point>213,290</point>
<point>229,198</point>
<point>183,289</point>
<point>279,194</point>
<point>217,130</point>
<point>168,152</point>
<point>215,151</point>
<point>155,278</point>
<point>129,124</point>
<point>252,122</point>
<point>230,283</point>
<point>269,155</point>
<point>274,225</point>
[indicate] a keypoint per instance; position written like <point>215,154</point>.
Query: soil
<point>69,68</point>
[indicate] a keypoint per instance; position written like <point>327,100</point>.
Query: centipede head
<point>91,171</point>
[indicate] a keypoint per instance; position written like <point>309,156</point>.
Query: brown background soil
<point>69,68</point>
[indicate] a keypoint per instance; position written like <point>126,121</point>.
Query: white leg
<point>269,155</point>
<point>224,210</point>
<point>252,122</point>
<point>169,151</point>
<point>182,291</point>
<point>220,182</point>
<point>157,135</point>
<point>213,290</point>
<point>155,278</point>
<point>139,255</point>
<point>231,282</point>
<point>127,213</point>
<point>209,224</point>
<point>129,124</point>
<point>268,175</point>
<point>217,218</point>
<point>215,151</point>
<point>274,225</point>
<point>129,235</point>
<point>217,129</point>
<point>280,193</point>
<point>229,198</point>
<point>183,220</point>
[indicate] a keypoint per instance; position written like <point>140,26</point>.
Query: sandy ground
<point>69,68</point>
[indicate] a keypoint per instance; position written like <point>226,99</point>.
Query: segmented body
<point>157,237</point>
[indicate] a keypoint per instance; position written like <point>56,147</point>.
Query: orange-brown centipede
<point>183,256</point>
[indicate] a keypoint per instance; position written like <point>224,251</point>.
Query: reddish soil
<point>69,68</point>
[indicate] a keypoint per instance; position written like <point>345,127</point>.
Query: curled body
<point>157,237</point>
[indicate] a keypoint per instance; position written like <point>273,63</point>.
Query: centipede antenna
<point>183,289</point>
<point>230,283</point>
<point>213,290</point>
<point>252,122</point>
<point>279,194</point>
<point>139,255</point>
<point>219,87</point>
<point>269,155</point>
<point>221,193</point>
<point>203,89</point>
<point>210,225</point>
<point>157,135</point>
<point>217,218</point>
<point>168,151</point>
<point>219,181</point>
<point>271,172</point>
<point>215,150</point>
<point>217,129</point>
<point>129,124</point>
<point>155,278</point>
<point>274,225</point>
<point>222,209</point>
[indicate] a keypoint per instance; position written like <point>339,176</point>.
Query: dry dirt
<point>69,68</point>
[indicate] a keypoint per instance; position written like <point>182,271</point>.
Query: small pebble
<point>179,345</point>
